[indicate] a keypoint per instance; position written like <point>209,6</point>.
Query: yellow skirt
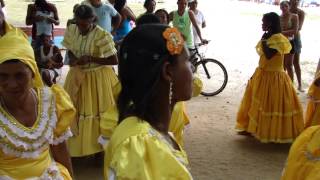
<point>313,112</point>
<point>27,168</point>
<point>270,109</point>
<point>91,91</point>
<point>304,157</point>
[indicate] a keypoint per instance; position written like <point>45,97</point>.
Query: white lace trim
<point>103,141</point>
<point>43,119</point>
<point>47,121</point>
<point>25,154</point>
<point>39,144</point>
<point>66,135</point>
<point>51,173</point>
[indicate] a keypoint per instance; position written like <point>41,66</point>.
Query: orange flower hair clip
<point>174,39</point>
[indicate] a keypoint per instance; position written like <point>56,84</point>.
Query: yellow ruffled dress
<point>25,151</point>
<point>90,88</point>
<point>312,115</point>
<point>270,109</point>
<point>138,151</point>
<point>303,162</point>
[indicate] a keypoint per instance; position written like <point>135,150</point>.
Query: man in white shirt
<point>199,19</point>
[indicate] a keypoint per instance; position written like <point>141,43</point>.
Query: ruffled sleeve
<point>65,113</point>
<point>68,36</point>
<point>277,42</point>
<point>142,156</point>
<point>105,44</point>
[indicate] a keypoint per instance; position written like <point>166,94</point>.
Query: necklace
<point>34,98</point>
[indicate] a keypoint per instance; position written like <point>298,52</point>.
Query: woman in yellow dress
<point>34,120</point>
<point>155,74</point>
<point>270,109</point>
<point>90,81</point>
<point>303,162</point>
<point>313,109</point>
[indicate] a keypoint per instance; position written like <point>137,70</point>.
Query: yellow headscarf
<point>15,45</point>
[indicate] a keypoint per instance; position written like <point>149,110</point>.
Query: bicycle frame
<point>196,57</point>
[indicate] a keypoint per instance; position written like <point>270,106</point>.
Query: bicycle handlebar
<point>201,44</point>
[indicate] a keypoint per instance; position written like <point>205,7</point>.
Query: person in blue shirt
<point>108,18</point>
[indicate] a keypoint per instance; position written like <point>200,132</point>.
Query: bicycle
<point>211,72</point>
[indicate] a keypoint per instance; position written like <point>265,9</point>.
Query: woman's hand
<point>51,20</point>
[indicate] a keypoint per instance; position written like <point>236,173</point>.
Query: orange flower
<point>174,39</point>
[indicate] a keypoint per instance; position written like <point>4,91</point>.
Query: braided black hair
<point>142,55</point>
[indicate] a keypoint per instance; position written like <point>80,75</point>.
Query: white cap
<point>190,1</point>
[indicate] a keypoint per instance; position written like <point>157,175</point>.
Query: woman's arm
<point>128,13</point>
<point>116,21</point>
<point>295,26</point>
<point>55,19</point>
<point>61,155</point>
<point>73,59</point>
<point>30,18</point>
<point>268,52</point>
<point>301,16</point>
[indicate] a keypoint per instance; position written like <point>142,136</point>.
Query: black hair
<point>119,4</point>
<point>142,55</point>
<point>285,2</point>
<point>146,2</point>
<point>274,20</point>
<point>43,5</point>
<point>147,19</point>
<point>164,11</point>
<point>84,12</point>
<point>75,7</point>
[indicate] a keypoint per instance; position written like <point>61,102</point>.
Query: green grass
<point>17,10</point>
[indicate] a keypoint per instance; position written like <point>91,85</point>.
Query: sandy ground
<point>215,150</point>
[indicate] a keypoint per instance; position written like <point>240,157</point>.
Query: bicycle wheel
<point>213,75</point>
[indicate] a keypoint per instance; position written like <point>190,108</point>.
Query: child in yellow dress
<point>155,74</point>
<point>270,109</point>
